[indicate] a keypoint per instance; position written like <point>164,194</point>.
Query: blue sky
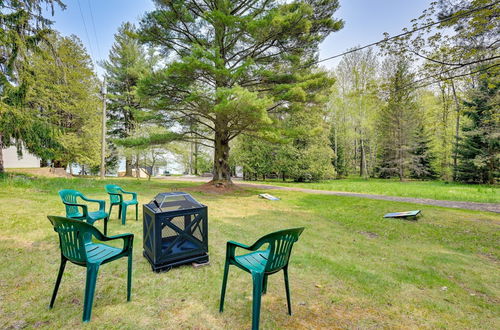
<point>365,22</point>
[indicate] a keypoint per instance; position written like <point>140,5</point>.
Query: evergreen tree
<point>479,149</point>
<point>128,62</point>
<point>231,64</point>
<point>65,93</point>
<point>256,156</point>
<point>397,119</point>
<point>22,29</point>
<point>421,166</point>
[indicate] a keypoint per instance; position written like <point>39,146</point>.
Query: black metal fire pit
<point>175,231</point>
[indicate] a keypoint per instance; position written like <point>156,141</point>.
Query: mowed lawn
<point>351,268</point>
<point>391,187</point>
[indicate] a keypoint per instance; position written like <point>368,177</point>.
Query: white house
<point>12,160</point>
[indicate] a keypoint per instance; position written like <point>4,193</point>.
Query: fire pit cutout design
<point>175,229</point>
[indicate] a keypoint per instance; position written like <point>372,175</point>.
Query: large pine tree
<point>479,148</point>
<point>128,62</point>
<point>397,119</point>
<point>230,64</point>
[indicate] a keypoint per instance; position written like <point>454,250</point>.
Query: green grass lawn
<point>423,189</point>
<point>351,268</point>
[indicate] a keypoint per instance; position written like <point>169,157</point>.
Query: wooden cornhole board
<point>404,215</point>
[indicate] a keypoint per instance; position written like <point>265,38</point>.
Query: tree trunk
<point>128,166</point>
<point>196,149</point>
<point>335,146</point>
<point>457,131</point>
<point>137,172</point>
<point>191,151</point>
<point>222,171</point>
<point>2,169</point>
<point>355,150</point>
<point>362,166</point>
<point>151,172</point>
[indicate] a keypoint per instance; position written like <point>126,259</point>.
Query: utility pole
<point>103,132</point>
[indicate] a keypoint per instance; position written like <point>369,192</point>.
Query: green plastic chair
<point>116,198</point>
<point>75,240</point>
<point>70,200</point>
<point>262,263</point>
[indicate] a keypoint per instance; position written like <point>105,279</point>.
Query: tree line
<point>223,84</point>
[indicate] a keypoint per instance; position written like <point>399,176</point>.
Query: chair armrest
<point>102,204</point>
<point>119,196</point>
<point>236,244</point>
<point>83,206</point>
<point>128,239</point>
<point>231,247</point>
<point>134,195</point>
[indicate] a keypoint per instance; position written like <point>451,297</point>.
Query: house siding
<point>11,159</point>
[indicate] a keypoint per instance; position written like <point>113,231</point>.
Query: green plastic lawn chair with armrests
<point>262,263</point>
<point>75,241</point>
<point>116,198</point>
<point>70,200</point>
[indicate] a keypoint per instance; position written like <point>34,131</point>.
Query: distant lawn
<point>351,268</point>
<point>423,189</point>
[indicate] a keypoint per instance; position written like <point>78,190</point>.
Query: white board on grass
<point>270,197</point>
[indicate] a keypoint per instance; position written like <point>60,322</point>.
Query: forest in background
<point>422,106</point>
<point>419,105</point>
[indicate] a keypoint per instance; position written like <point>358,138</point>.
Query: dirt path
<point>490,207</point>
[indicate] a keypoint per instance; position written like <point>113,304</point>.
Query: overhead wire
<point>93,28</point>
<point>466,13</point>
<point>87,34</point>
<point>463,14</point>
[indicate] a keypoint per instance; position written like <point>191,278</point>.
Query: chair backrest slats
<point>70,196</point>
<point>280,247</point>
<point>113,189</point>
<point>73,236</point>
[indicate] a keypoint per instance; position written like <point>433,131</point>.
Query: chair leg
<point>58,281</point>
<point>136,212</point>
<point>129,276</point>
<point>110,209</point>
<point>264,285</point>
<point>287,288</point>
<point>223,290</point>
<point>119,211</point>
<point>92,270</point>
<point>124,214</point>
<point>257,295</point>
<point>106,226</point>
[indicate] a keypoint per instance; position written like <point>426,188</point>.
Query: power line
<point>93,27</point>
<point>406,33</point>
<point>439,74</point>
<point>86,33</point>
<point>452,77</point>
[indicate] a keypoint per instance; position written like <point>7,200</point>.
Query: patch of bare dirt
<point>368,234</point>
<point>47,172</point>
<point>490,257</point>
<point>211,188</point>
